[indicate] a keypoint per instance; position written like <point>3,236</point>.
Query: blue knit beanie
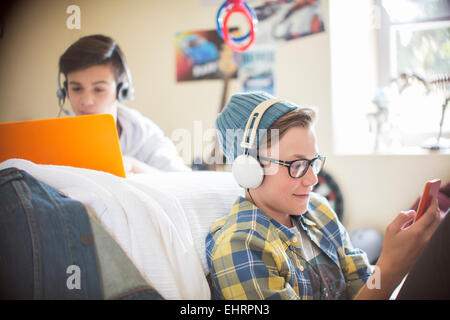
<point>231,122</point>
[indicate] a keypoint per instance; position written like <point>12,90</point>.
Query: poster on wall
<point>257,69</point>
<point>283,20</point>
<point>198,54</point>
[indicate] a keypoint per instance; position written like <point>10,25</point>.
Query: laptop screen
<point>89,142</point>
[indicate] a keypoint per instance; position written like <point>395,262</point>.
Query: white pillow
<point>204,195</point>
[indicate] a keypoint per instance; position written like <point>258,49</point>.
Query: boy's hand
<point>403,245</point>
<point>133,165</point>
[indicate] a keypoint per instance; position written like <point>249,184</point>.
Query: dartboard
<point>327,187</point>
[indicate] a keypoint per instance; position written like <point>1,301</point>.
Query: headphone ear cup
<point>61,94</point>
<point>247,171</point>
<point>119,91</point>
<point>123,91</point>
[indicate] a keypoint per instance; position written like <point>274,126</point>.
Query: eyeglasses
<point>298,168</point>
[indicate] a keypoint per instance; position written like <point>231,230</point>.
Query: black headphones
<point>125,90</point>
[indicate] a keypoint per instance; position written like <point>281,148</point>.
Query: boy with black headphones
<point>283,241</point>
<point>94,69</point>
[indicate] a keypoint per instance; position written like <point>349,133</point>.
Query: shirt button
<point>294,239</point>
<point>301,268</point>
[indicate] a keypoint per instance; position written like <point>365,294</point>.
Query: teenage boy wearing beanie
<point>282,241</point>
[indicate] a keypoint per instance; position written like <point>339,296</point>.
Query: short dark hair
<point>93,50</point>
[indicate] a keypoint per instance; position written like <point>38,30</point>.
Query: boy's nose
<point>87,100</point>
<point>310,178</point>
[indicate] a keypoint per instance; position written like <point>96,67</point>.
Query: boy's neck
<point>282,218</point>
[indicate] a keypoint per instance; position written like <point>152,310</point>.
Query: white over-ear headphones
<point>246,169</point>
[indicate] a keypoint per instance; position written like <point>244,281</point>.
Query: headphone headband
<point>255,117</point>
<point>246,169</point>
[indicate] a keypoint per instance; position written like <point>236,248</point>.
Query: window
<point>414,37</point>
<point>397,70</point>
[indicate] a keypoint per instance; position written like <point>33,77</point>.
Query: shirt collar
<point>285,234</point>
<point>288,237</point>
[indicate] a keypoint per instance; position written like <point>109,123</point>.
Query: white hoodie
<point>142,139</point>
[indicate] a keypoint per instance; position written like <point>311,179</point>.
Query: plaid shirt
<point>251,256</point>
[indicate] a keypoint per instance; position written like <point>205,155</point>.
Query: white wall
<point>375,187</point>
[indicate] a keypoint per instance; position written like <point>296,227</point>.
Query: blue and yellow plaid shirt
<point>252,256</point>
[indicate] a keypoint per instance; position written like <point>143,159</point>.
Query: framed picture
<point>198,55</point>
<point>257,69</point>
<point>287,20</point>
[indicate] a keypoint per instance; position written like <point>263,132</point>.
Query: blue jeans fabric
<point>47,247</point>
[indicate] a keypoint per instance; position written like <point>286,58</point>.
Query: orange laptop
<point>85,142</point>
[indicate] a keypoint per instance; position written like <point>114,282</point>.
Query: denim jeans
<point>51,248</point>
